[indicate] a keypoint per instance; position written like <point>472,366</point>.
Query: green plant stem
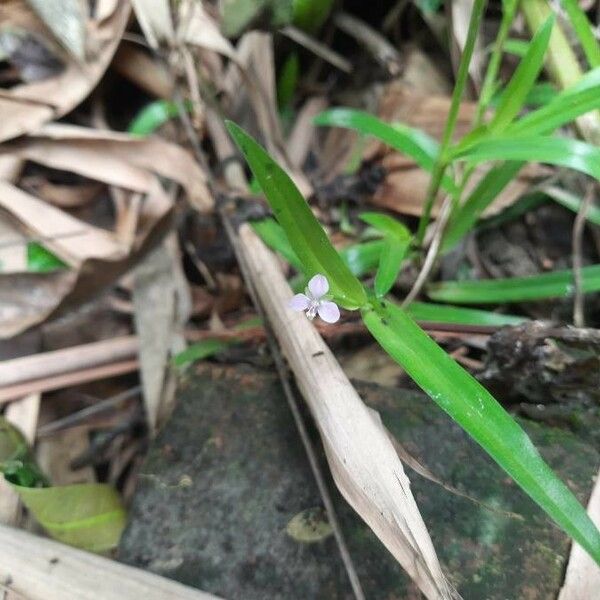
<point>491,74</point>
<point>461,82</point>
<point>509,10</point>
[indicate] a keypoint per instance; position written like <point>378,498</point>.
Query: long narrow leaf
<point>272,234</point>
<point>397,240</point>
<point>304,233</point>
<point>361,258</point>
<point>566,107</point>
<point>485,192</point>
<point>523,79</point>
<point>458,315</point>
<point>583,29</point>
<point>472,407</point>
<point>563,152</point>
<point>407,140</point>
<point>515,289</point>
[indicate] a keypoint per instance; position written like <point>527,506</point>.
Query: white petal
<point>318,286</point>
<point>299,302</point>
<point>329,312</point>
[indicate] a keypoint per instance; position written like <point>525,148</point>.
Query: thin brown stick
<point>58,362</point>
<point>298,420</point>
<point>578,229</point>
<point>432,253</point>
<point>41,569</point>
<point>13,392</point>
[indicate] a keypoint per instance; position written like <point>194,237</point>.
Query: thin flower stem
<point>461,82</point>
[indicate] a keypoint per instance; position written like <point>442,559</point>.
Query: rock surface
<point>228,473</point>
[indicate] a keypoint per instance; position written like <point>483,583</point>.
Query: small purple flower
<point>312,301</point>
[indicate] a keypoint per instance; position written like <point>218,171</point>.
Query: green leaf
<point>442,313</point>
<point>481,416</point>
<point>516,47</point>
<point>515,289</point>
<point>407,140</point>
<point>583,29</point>
<point>485,192</point>
<point>310,15</point>
<point>565,107</point>
<point>202,350</point>
<point>562,152</point>
<point>397,240</point>
<point>287,81</point>
<point>304,232</point>
<point>362,258</point>
<point>273,235</point>
<point>210,346</point>
<point>89,516</point>
<point>155,115</point>
<point>523,79</point>
<point>387,225</point>
<point>40,260</point>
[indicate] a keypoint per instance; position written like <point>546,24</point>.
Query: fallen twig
<point>41,569</point>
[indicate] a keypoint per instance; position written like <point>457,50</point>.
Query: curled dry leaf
<point>116,158</point>
<point>26,106</point>
<point>27,299</point>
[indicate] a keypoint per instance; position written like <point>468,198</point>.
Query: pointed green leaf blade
<point>304,232</point>
<point>515,289</point>
<point>563,152</point>
<point>407,140</point>
<point>523,79</point>
<point>483,418</point>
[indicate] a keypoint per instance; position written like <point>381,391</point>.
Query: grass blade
<point>409,141</point>
<point>562,110</point>
<point>273,235</point>
<point>482,417</point>
<point>305,234</point>
<point>485,192</point>
<point>396,242</point>
<point>515,289</point>
<point>523,79</point>
<point>584,31</point>
<point>442,313</point>
<point>562,152</point>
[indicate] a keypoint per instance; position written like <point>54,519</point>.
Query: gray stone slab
<point>228,473</point>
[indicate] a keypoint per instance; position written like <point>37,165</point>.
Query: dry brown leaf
<point>30,567</point>
<point>198,28</point>
<point>147,73</point>
<point>27,299</point>
<point>26,107</point>
<point>361,456</point>
<point>73,240</point>
<point>116,158</point>
<point>162,304</point>
<point>154,17</point>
